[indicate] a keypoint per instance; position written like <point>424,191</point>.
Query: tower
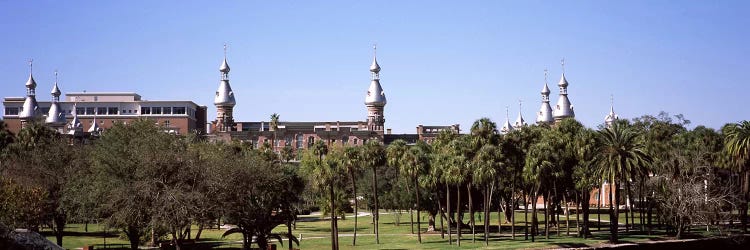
<point>563,109</point>
<point>375,100</point>
<point>29,112</point>
<point>611,117</point>
<point>75,128</point>
<point>224,99</point>
<point>55,117</point>
<point>520,123</point>
<point>507,128</point>
<point>545,111</point>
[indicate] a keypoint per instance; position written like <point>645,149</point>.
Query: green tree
<point>324,173</point>
<point>737,148</point>
<point>374,156</point>
<point>619,154</point>
<point>274,125</point>
<point>124,161</point>
<point>352,160</point>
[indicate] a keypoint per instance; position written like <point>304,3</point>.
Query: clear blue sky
<point>443,62</point>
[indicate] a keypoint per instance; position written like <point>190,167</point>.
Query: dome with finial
<point>30,107</point>
<point>375,67</point>
<point>611,117</point>
<point>375,94</point>
<point>224,68</point>
<point>545,89</point>
<point>55,90</point>
<point>94,127</point>
<point>563,82</point>
<point>31,83</point>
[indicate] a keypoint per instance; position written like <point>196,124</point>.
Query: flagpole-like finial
<point>546,73</point>
<point>225,50</point>
<point>562,63</point>
<point>31,65</point>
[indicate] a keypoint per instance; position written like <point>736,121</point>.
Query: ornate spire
<point>545,111</point>
<point>375,67</point>
<point>375,94</point>
<point>29,104</point>
<point>520,123</point>
<point>611,117</point>
<point>563,109</point>
<point>507,128</point>
<point>224,68</point>
<point>31,84</point>
<point>55,115</point>
<point>94,129</point>
<point>55,90</point>
<point>75,127</point>
<point>224,95</point>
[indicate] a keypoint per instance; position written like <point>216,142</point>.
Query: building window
<point>178,110</point>
<point>310,141</point>
<point>166,123</point>
<point>145,110</point>
<point>277,142</point>
<point>355,141</point>
<point>288,141</point>
<point>101,111</point>
<point>11,111</point>
<point>156,110</point>
<point>90,111</point>
<point>80,111</point>
<point>300,140</point>
<point>345,140</point>
<point>112,110</point>
<point>167,110</point>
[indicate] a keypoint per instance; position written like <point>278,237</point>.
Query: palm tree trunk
<point>745,198</point>
<point>513,214</point>
<point>546,216</point>
<point>534,221</point>
<point>419,227</point>
<point>486,215</point>
<point>599,208</point>
<point>376,214</point>
<point>333,219</point>
<point>578,213</point>
<point>614,221</point>
<point>442,213</point>
<point>525,214</point>
<point>458,215</point>
<point>448,207</point>
<point>356,208</point>
<point>567,216</point>
<point>471,212</point>
<point>411,213</point>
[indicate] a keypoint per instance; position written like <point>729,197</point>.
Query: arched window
<point>345,140</point>
<point>300,140</point>
<point>310,141</point>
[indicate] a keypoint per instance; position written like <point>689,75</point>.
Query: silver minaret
<point>55,117</point>
<point>224,99</point>
<point>611,117</point>
<point>375,100</point>
<point>545,112</point>
<point>563,109</point>
<point>30,107</point>
<point>507,128</point>
<point>520,122</point>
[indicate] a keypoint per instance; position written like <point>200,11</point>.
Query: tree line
<point>151,185</point>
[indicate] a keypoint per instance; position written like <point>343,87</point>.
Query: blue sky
<point>444,62</point>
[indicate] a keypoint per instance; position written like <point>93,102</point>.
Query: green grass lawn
<point>316,234</point>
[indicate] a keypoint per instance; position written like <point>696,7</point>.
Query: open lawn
<point>315,234</point>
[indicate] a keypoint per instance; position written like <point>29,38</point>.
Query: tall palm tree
<point>620,152</point>
<point>460,149</point>
<point>397,158</point>
<point>486,163</point>
<point>352,157</point>
<point>374,156</point>
<point>737,148</point>
<point>320,150</point>
<point>274,126</point>
<point>416,162</point>
<point>484,133</point>
<point>442,166</point>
